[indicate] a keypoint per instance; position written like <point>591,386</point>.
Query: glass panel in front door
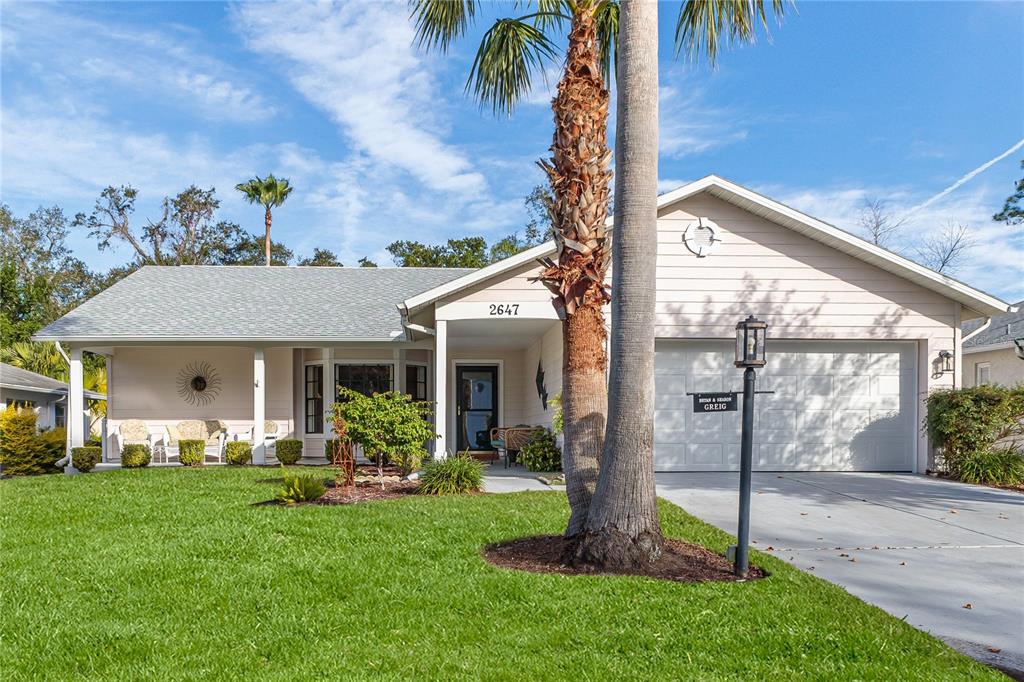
<point>477,408</point>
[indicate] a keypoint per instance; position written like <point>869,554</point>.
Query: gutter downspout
<point>986,325</point>
<point>65,461</point>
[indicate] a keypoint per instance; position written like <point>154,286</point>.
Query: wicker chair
<point>510,440</point>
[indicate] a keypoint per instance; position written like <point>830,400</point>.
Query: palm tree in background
<point>269,192</point>
<point>511,55</point>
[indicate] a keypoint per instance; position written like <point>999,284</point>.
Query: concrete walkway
<point>918,547</point>
<point>498,479</point>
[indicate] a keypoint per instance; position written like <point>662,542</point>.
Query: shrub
<point>558,418</point>
<point>452,476</point>
<point>300,488</point>
<point>237,452</point>
<point>192,452</point>
<point>20,447</point>
<point>288,450</point>
<point>390,426</point>
<point>541,453</point>
<point>968,423</point>
<point>86,458</point>
<point>52,445</point>
<point>1001,467</point>
<point>135,455</point>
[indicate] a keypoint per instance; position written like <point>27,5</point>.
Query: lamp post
<point>750,336</point>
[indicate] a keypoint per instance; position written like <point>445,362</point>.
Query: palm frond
<point>705,26</point>
<point>439,22</point>
<point>268,191</point>
<point>550,13</point>
<point>606,16</point>
<point>509,53</point>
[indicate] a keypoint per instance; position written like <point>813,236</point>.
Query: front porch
<point>487,376</point>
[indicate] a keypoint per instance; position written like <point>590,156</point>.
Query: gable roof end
<point>974,299</point>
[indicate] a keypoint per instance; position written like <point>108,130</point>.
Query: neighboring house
<point>48,397</point>
<point>857,337</point>
<point>994,353</point>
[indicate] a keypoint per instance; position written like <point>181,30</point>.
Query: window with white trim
<point>982,373</point>
<point>314,398</point>
<point>366,379</point>
<point>416,381</point>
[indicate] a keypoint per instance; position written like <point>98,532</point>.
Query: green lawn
<point>172,574</point>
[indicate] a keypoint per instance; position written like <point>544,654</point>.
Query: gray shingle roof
<point>24,380</point>
<point>1003,330</point>
<point>210,302</point>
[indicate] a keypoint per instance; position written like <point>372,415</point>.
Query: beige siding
<point>142,384</point>
<point>547,351</point>
<point>802,288</point>
<point>510,287</point>
<point>1005,368</point>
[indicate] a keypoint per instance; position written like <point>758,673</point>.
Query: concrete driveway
<point>918,547</point>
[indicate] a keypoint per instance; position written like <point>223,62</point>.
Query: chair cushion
<point>133,431</point>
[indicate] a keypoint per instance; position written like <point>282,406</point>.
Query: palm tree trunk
<point>622,529</point>
<point>579,176</point>
<point>266,241</point>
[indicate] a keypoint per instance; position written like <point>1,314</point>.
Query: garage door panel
<point>836,406</point>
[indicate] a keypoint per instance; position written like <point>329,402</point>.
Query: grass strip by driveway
<point>172,574</point>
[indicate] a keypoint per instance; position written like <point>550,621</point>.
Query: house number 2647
<point>504,309</point>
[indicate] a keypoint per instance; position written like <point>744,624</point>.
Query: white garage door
<point>837,406</point>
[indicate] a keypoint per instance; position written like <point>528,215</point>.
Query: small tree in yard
<point>389,426</point>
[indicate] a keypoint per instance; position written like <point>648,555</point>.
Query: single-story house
<point>857,337</point>
<point>994,349</point>
<point>48,397</point>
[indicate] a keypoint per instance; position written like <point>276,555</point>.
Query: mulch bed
<point>368,492</point>
<point>681,561</point>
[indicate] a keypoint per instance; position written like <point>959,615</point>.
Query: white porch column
<point>441,387</point>
<point>259,407</point>
<point>75,420</point>
<point>399,356</point>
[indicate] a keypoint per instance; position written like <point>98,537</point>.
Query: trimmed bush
<point>52,445</point>
<point>968,423</point>
<point>86,458</point>
<point>452,476</point>
<point>20,451</point>
<point>238,452</point>
<point>1001,467</point>
<point>329,449</point>
<point>541,453</point>
<point>288,450</point>
<point>300,488</point>
<point>135,455</point>
<point>192,452</point>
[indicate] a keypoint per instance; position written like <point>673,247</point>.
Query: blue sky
<point>849,101</point>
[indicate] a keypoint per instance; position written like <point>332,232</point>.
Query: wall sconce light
<point>945,361</point>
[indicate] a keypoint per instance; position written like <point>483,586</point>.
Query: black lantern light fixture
<point>750,334</point>
<point>946,362</point>
<point>750,337</point>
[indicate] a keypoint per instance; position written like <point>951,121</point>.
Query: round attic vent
<point>701,236</point>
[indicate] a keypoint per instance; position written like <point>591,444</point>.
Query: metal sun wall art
<point>198,383</point>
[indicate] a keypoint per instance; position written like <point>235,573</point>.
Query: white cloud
<point>74,57</point>
<point>357,62</point>
<point>690,126</point>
